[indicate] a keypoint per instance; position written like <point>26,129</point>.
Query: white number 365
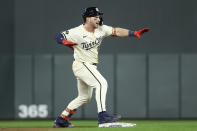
<point>33,111</point>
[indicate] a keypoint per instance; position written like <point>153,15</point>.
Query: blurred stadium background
<point>151,78</point>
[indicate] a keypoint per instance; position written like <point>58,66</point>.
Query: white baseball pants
<point>88,77</point>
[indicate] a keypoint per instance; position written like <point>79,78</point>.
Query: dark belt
<point>92,63</point>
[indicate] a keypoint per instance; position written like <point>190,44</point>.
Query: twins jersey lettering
<point>88,42</point>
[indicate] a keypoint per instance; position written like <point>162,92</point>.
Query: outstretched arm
<point>121,32</point>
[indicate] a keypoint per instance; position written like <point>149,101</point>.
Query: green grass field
<point>89,125</point>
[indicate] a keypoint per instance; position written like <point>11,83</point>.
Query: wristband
<point>131,33</point>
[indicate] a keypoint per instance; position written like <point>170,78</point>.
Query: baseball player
<point>85,40</point>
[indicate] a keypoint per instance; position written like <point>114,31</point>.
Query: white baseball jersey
<point>88,42</point>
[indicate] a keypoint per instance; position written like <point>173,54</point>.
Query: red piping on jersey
<point>114,33</point>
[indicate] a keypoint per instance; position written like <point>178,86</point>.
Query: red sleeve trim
<point>114,33</point>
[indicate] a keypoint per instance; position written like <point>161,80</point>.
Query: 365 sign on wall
<point>33,111</point>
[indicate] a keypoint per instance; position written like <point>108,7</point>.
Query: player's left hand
<point>140,32</point>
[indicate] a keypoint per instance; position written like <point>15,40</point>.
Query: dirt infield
<point>39,128</point>
<point>24,129</point>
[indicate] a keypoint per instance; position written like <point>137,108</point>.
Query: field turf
<point>89,125</point>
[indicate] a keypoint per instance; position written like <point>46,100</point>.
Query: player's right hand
<point>69,44</point>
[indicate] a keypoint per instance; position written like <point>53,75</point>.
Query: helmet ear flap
<point>84,12</point>
<point>101,21</point>
<point>84,19</point>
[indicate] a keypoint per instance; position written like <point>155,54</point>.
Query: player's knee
<point>102,83</point>
<point>84,99</point>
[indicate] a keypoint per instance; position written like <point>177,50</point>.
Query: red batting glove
<point>69,44</point>
<point>140,32</point>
